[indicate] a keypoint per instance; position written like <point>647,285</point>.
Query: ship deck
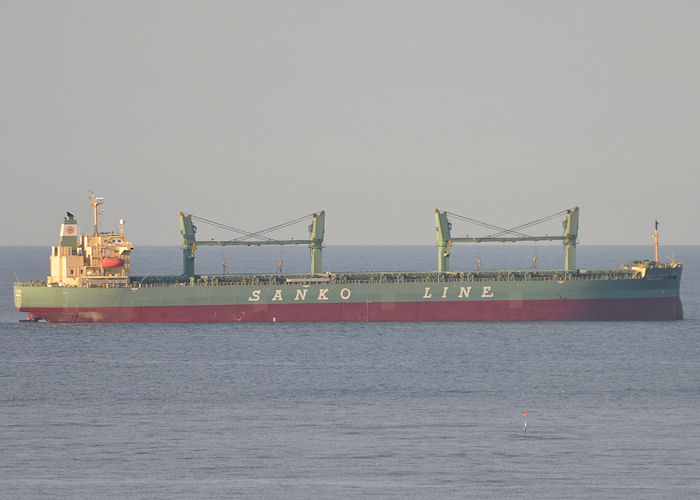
<point>372,278</point>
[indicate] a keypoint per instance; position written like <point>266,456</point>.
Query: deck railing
<point>384,278</point>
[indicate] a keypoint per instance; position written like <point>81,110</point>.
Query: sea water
<point>395,410</point>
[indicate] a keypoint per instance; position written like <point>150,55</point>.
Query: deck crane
<point>189,242</point>
<point>445,239</point>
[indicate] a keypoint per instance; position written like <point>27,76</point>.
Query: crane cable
<point>257,234</point>
<point>502,231</point>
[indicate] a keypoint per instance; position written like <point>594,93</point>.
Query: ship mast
<point>656,241</point>
<point>95,202</point>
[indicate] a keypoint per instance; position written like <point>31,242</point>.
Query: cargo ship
<point>90,282</point>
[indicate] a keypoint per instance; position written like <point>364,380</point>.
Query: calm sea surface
<point>398,410</point>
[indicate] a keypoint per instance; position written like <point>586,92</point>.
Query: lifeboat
<point>112,262</point>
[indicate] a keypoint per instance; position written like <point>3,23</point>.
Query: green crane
<point>445,240</point>
<point>189,242</point>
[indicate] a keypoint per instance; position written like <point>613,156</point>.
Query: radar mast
<point>96,201</point>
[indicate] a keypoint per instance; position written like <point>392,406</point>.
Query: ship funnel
<point>68,236</point>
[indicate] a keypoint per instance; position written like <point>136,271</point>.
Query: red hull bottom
<point>654,309</point>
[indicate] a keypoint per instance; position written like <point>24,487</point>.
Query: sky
<point>252,113</point>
